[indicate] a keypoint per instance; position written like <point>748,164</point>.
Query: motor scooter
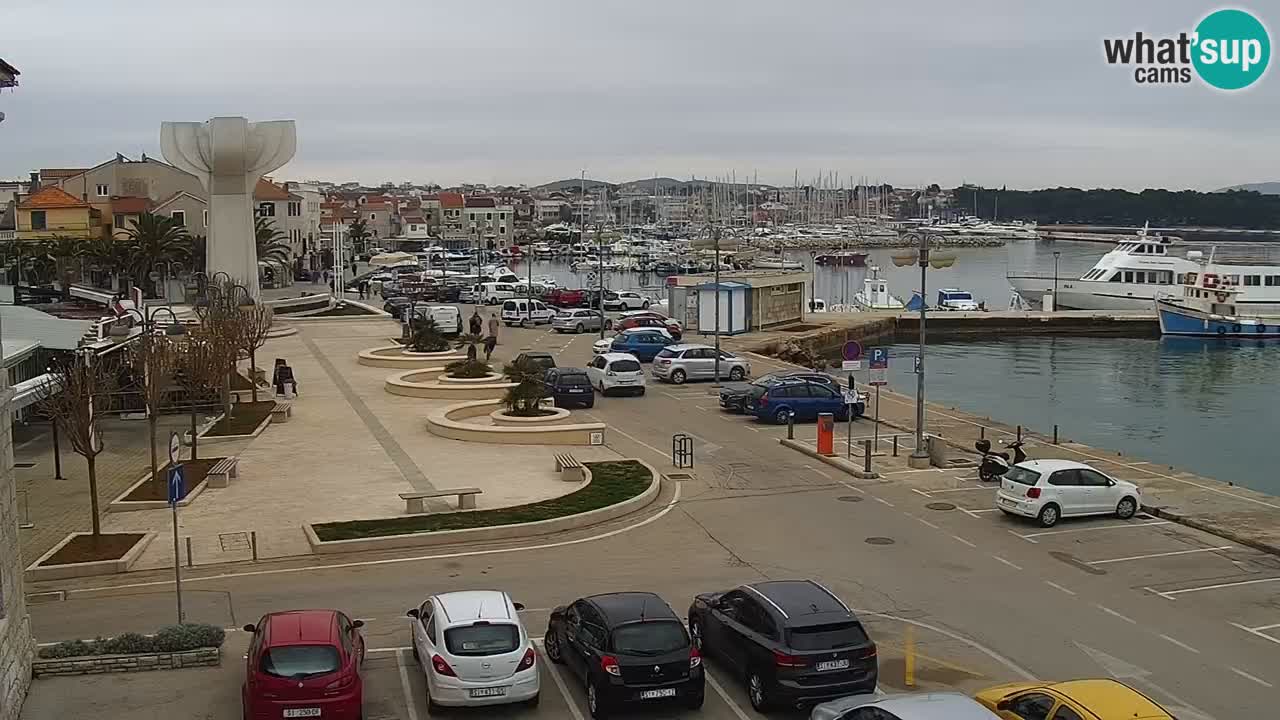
<point>995,464</point>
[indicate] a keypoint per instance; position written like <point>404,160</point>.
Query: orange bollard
<point>826,434</point>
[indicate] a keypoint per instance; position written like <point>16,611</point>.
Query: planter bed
<point>347,310</point>
<point>150,495</point>
<point>611,483</point>
<point>245,420</point>
<point>175,646</point>
<point>79,556</point>
<point>99,664</point>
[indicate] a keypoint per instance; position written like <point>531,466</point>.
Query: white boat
<point>875,294</point>
<point>542,250</point>
<point>580,266</point>
<point>776,263</point>
<point>1131,275</point>
<point>1206,307</point>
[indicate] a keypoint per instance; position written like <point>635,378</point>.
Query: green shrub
<point>66,649</point>
<point>172,638</point>
<point>126,643</point>
<point>468,369</point>
<point>426,337</point>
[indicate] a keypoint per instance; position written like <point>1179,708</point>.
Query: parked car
<point>655,321</point>
<point>626,300</point>
<point>1049,490</point>
<point>616,371</point>
<point>627,648</point>
<point>562,297</point>
<point>670,322</point>
<point>803,399</point>
<point>474,650</point>
<point>579,321</point>
<point>543,360</point>
<point>678,363</point>
<point>1089,699</point>
<point>492,293</point>
<point>792,641</point>
<point>304,663</point>
<point>569,386</point>
<point>734,396</point>
<point>907,706</point>
<point>448,318</point>
<point>644,343</point>
<point>517,312</point>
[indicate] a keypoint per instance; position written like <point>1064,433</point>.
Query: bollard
<point>1019,433</point>
<point>1055,434</point>
<point>253,543</point>
<point>895,446</point>
<point>791,426</point>
<point>189,551</point>
<point>866,456</point>
<point>982,432</point>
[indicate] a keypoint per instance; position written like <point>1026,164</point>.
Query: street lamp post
<point>715,237</point>
<point>813,274</point>
<point>1056,255</point>
<point>600,274</point>
<point>920,456</point>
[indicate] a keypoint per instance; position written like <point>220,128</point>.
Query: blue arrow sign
<point>176,483</point>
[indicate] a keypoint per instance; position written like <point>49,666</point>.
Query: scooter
<point>996,464</point>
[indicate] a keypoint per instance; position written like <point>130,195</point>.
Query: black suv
<point>791,641</point>
<point>627,647</point>
<point>569,386</point>
<point>734,396</point>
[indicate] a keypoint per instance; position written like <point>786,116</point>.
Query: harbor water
<point>1207,406</point>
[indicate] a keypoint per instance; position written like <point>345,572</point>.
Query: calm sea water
<point>1205,406</point>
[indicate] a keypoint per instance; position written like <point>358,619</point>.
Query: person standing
<point>476,323</point>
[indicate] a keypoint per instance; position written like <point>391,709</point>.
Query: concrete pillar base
<point>920,462</point>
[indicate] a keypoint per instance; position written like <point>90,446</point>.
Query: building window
<point>266,209</point>
<point>117,220</point>
<point>488,216</point>
<point>180,217</point>
<point>502,216</point>
<point>295,209</point>
<point>502,230</point>
<point>1252,280</point>
<point>1273,280</point>
<point>39,221</point>
<point>104,190</point>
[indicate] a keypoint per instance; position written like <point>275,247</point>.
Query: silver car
<point>678,363</point>
<point>579,320</point>
<point>913,706</point>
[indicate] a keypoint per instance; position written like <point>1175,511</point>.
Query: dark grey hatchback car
<point>792,642</point>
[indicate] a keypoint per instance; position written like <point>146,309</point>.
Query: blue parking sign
<point>879,358</point>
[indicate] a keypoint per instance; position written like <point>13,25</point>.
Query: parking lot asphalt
<point>1185,616</point>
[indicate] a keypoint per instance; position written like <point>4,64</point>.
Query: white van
<point>448,318</point>
<point>492,293</point>
<point>515,312</point>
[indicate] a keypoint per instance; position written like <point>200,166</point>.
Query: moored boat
<point>1206,307</point>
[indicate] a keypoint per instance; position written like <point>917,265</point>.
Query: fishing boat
<point>644,265</point>
<point>875,294</point>
<point>849,258</point>
<point>665,267</point>
<point>1206,307</point>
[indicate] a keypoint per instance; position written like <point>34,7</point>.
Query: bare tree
<point>153,359</point>
<point>252,328</point>
<point>77,393</point>
<point>202,362</point>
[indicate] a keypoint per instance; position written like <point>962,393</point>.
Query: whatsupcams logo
<point>1228,50</point>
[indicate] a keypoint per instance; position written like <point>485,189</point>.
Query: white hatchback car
<point>616,371</point>
<point>1049,490</point>
<point>474,650</point>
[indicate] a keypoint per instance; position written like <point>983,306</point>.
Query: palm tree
<point>155,241</point>
<point>108,255</point>
<point>197,251</point>
<point>270,247</point>
<point>62,250</point>
<point>358,233</point>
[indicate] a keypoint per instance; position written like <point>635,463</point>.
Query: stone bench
<point>282,411</point>
<point>416,503</point>
<point>569,468</point>
<point>221,474</point>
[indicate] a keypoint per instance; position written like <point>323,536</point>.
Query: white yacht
<point>776,263</point>
<point>875,294</point>
<point>1135,271</point>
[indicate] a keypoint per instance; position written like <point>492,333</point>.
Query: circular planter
<point>440,354</point>
<point>394,356</point>
<point>500,417</point>
<point>490,378</point>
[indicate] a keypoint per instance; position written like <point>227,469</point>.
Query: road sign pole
<point>176,481</point>
<point>876,428</point>
<point>177,564</point>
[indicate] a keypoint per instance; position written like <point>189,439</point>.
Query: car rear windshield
<point>509,305</point>
<point>476,640</point>
<point>828,637</point>
<point>624,366</point>
<point>1022,475</point>
<point>650,638</point>
<point>300,661</point>
<point>575,380</point>
<point>668,352</point>
<point>758,388</point>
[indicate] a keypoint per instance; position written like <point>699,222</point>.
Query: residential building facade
<point>487,223</point>
<point>122,177</point>
<point>51,212</point>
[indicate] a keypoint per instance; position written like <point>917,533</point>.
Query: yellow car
<point>1072,700</point>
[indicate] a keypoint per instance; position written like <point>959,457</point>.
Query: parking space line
<point>820,472</point>
<point>1093,529</point>
<point>1056,586</point>
<point>882,501</point>
<point>411,705</point>
<point>918,491</point>
<point>904,472</point>
<point>963,489</point>
<point>1247,676</point>
<point>1218,586</point>
<point>1156,555</point>
<point>1267,627</point>
<point>1180,644</point>
<point>1257,631</point>
<point>854,488</point>
<point>559,681</point>
<point>715,685</point>
<point>1113,613</point>
<point>1015,566</point>
<point>966,542</point>
<point>974,513</point>
<point>926,522</point>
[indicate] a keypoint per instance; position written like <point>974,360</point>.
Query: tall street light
<point>920,456</point>
<point>715,237</point>
<point>1056,255</point>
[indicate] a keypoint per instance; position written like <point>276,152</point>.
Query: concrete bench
<point>416,503</point>
<point>569,468</point>
<point>221,474</point>
<point>281,412</point>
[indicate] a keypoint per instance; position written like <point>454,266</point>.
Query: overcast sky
<point>1001,93</point>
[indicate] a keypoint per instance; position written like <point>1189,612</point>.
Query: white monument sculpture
<point>230,155</point>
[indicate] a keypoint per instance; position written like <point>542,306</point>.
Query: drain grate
<point>879,541</point>
<point>850,498</point>
<point>679,477</point>
<point>941,506</point>
<point>233,541</point>
<point>24,465</point>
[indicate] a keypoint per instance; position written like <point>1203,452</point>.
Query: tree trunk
<point>151,430</point>
<point>226,393</point>
<point>253,374</point>
<point>92,461</point>
<point>193,424</point>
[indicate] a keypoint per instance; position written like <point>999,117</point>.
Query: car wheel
<point>695,634</point>
<point>1049,515</point>
<point>532,702</point>
<point>677,377</point>
<point>781,416</point>
<point>640,392</point>
<point>1126,508</point>
<point>580,328</point>
<point>694,702</point>
<point>737,374</point>
<point>551,644</point>
<point>590,404</point>
<point>595,703</point>
<point>433,708</point>
<point>758,691</point>
<point>644,305</point>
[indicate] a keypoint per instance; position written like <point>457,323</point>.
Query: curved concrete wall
<point>444,422</point>
<point>499,417</point>
<point>393,356</point>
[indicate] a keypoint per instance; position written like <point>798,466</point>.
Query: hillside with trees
<point>1231,209</point>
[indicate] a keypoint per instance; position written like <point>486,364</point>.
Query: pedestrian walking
<point>476,323</point>
<point>493,327</point>
<point>490,343</point>
<point>364,288</point>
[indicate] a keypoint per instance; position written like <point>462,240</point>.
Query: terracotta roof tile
<point>451,200</point>
<point>51,197</point>
<point>130,205</point>
<point>267,190</point>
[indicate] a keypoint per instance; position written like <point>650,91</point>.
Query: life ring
<point>1222,297</point>
<point>1235,328</point>
<point>1210,280</point>
<point>1222,330</point>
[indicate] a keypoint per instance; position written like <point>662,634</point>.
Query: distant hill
<point>664,184</point>
<point>1266,188</point>
<point>574,184</point>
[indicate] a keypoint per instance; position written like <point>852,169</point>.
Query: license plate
<point>659,693</point>
<point>488,692</point>
<point>1007,501</point>
<point>302,712</point>
<point>828,665</point>
<point>577,390</point>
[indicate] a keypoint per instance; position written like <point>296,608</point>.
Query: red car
<point>657,321</point>
<point>304,664</point>
<point>560,297</point>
